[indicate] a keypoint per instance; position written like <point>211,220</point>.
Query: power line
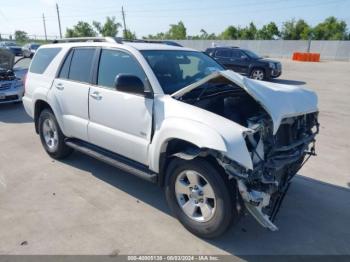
<point>144,13</point>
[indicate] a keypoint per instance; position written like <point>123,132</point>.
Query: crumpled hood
<point>280,101</point>
<point>7,59</point>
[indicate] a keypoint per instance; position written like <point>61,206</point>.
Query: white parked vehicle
<point>218,142</point>
<point>29,50</point>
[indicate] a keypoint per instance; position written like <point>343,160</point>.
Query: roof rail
<point>118,40</point>
<point>89,39</point>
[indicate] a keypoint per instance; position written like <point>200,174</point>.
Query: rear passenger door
<point>120,122</point>
<point>71,91</point>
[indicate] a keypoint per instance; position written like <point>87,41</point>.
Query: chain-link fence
<point>11,37</point>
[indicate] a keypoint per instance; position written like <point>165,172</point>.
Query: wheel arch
<point>183,149</point>
<point>39,106</point>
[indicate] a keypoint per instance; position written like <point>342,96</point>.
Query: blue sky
<point>151,16</point>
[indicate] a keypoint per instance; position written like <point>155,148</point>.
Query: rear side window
<point>236,54</point>
<point>81,64</point>
<point>42,59</point>
<point>223,53</point>
<point>115,62</point>
<point>65,67</point>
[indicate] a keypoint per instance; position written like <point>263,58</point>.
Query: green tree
<point>21,36</point>
<point>268,32</point>
<point>177,31</point>
<point>81,29</point>
<point>127,34</point>
<point>205,36</point>
<point>296,30</point>
<point>109,28</point>
<point>157,36</point>
<point>249,32</point>
<point>230,32</point>
<point>331,29</point>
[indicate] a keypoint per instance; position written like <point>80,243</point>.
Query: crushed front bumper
<point>263,188</point>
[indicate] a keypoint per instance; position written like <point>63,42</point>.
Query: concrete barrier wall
<point>329,50</point>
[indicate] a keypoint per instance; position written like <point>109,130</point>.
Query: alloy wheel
<point>258,74</point>
<point>50,134</point>
<point>195,196</point>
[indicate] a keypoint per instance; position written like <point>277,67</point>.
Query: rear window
<point>42,59</point>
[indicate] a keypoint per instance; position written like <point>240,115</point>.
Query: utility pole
<point>44,27</point>
<point>59,20</point>
<point>123,14</point>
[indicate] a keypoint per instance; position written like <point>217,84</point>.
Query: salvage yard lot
<point>83,206</point>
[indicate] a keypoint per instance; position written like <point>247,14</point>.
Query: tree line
<point>109,28</point>
<point>330,29</point>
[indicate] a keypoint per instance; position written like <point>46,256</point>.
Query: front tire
<point>51,136</point>
<point>200,197</point>
<point>258,74</point>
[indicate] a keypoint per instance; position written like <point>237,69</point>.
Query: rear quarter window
<point>42,59</point>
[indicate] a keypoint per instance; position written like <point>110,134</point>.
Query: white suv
<point>219,143</point>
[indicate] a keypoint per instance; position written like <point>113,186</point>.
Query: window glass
<point>34,46</point>
<point>236,54</point>
<point>225,53</point>
<point>251,54</point>
<point>65,67</point>
<point>42,59</point>
<point>176,69</point>
<point>80,67</point>
<point>115,62</point>
<point>191,68</point>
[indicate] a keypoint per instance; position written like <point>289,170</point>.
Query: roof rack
<point>89,39</point>
<point>118,40</point>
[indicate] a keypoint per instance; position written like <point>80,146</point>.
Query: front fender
<point>231,144</point>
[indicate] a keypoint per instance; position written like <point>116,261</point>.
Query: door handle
<point>96,95</point>
<point>59,86</point>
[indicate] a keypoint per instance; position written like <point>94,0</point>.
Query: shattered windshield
<point>176,69</point>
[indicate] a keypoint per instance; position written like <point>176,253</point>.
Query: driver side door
<point>120,122</point>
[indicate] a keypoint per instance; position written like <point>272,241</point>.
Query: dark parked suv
<point>246,62</point>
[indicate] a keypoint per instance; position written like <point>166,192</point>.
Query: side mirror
<point>244,57</point>
<point>129,84</point>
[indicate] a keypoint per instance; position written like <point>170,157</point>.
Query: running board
<point>113,159</point>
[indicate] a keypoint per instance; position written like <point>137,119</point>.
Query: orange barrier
<point>307,57</point>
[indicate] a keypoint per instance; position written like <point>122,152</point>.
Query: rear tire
<point>205,211</point>
<point>51,136</point>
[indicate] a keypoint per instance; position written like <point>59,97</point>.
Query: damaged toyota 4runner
<point>219,143</point>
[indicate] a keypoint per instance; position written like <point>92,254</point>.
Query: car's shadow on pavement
<point>314,218</point>
<point>287,82</point>
<point>13,113</point>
